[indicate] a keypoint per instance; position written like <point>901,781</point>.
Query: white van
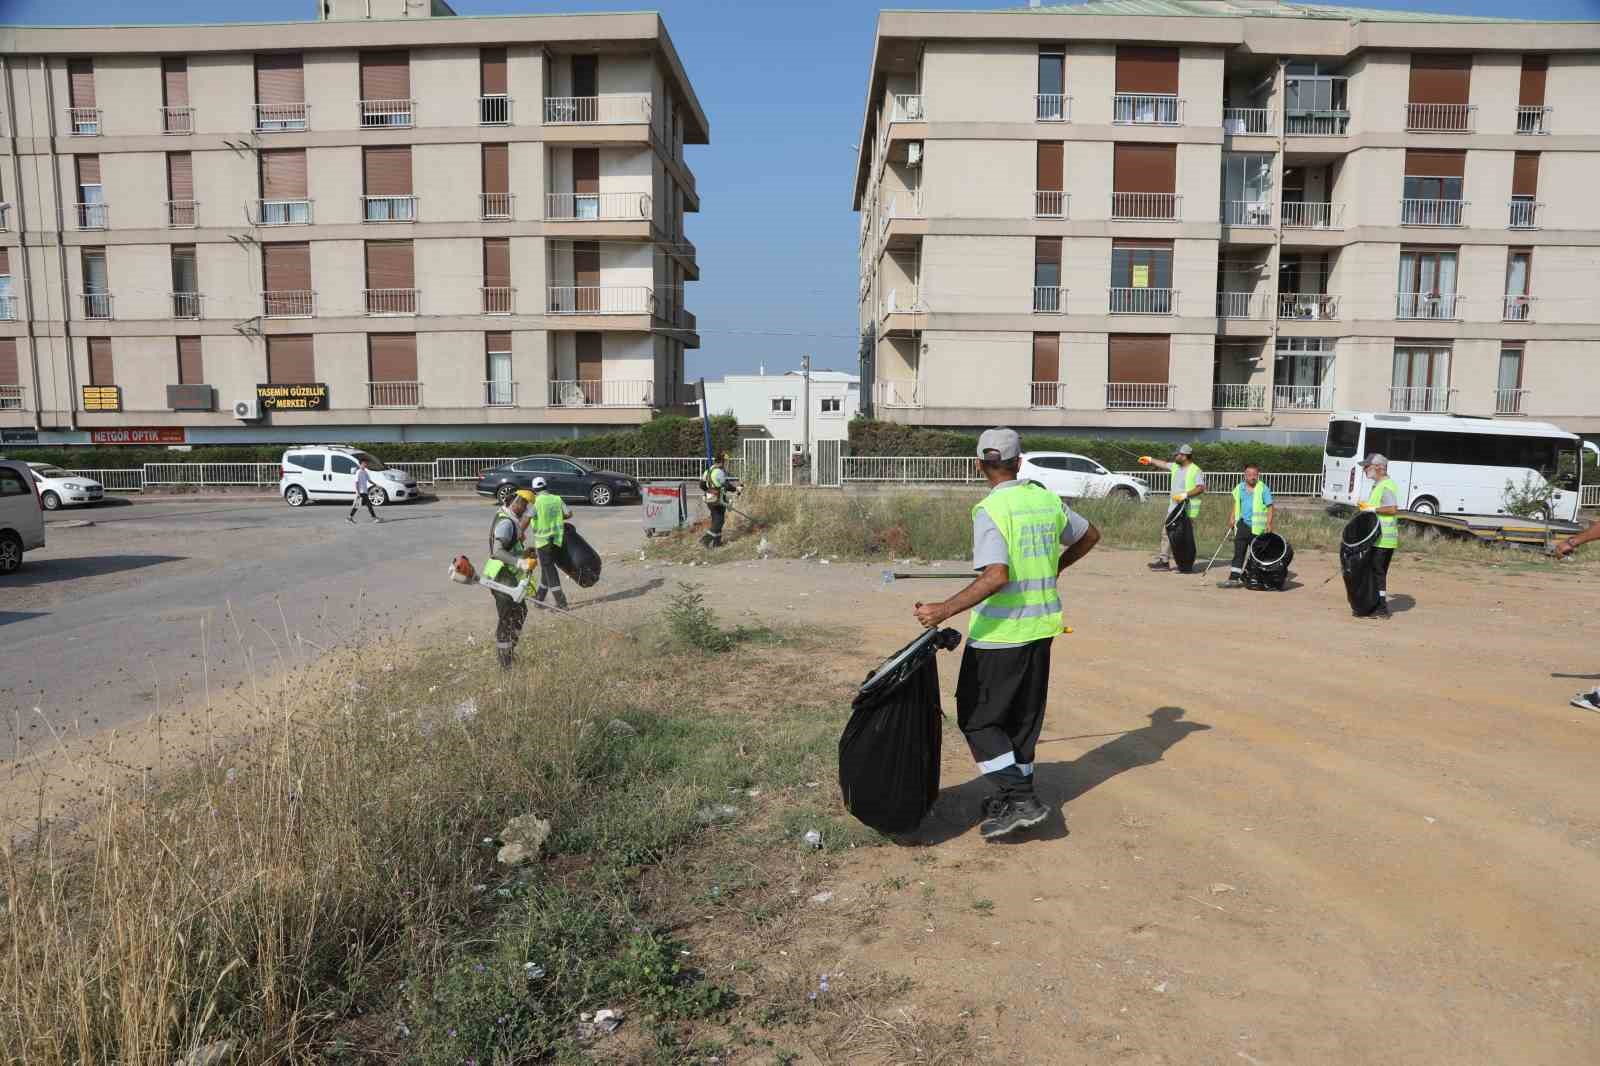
<point>21,515</point>
<point>328,472</point>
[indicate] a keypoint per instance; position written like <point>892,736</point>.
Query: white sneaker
<point>1589,701</point>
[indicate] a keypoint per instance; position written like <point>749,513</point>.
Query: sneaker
<point>993,806</point>
<point>1160,564</point>
<point>376,520</point>
<point>350,518</point>
<point>1382,610</point>
<point>1589,701</point>
<point>1231,583</point>
<point>1014,815</point>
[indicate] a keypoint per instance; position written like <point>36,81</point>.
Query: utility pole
<point>805,398</point>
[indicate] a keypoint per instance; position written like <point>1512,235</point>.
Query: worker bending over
<point>508,563</point>
<point>719,489</point>
<point>549,531</point>
<point>1385,500</point>
<point>1252,516</point>
<point>1188,483</point>
<point>1016,614</point>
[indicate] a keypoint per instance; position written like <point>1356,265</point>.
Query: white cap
<point>538,484</point>
<point>1187,449</point>
<point>999,445</point>
<point>1375,460</point>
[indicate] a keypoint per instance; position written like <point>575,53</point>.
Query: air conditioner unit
<point>247,410</point>
<point>914,154</point>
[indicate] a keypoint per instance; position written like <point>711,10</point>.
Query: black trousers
<point>508,626</point>
<point>549,576</point>
<point>361,498</point>
<point>719,515</point>
<point>1241,544</point>
<point>1381,558</point>
<point>1000,697</point>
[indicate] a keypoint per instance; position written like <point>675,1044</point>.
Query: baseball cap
<point>1375,460</point>
<point>538,483</point>
<point>1187,449</point>
<point>999,445</point>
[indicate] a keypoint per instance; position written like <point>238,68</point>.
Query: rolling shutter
<point>1433,163</point>
<point>497,262</point>
<point>101,371</point>
<point>1531,91</point>
<point>492,71</point>
<point>385,75</point>
<point>9,374</point>
<point>496,169</point>
<point>496,342</point>
<point>1525,174</point>
<point>586,262</point>
<point>191,367</point>
<point>1051,167</point>
<point>290,360</point>
<point>586,171</point>
<point>1440,79</point>
<point>175,81</point>
<point>180,176</point>
<point>286,267</point>
<point>589,354</point>
<point>390,266</point>
<point>1138,358</point>
<point>392,356</point>
<point>1144,168</point>
<point>283,174</point>
<point>1047,250</point>
<point>80,83</point>
<point>88,170</point>
<point>1147,70</point>
<point>1047,357</point>
<point>387,170</point>
<point>5,262</point>
<point>280,79</point>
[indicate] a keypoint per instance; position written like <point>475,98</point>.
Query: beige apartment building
<point>1227,219</point>
<point>389,223</point>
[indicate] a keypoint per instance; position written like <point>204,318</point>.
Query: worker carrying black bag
<point>1266,563</point>
<point>577,559</point>
<point>1356,557</point>
<point>1180,535</point>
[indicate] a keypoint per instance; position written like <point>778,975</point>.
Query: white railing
<point>905,203</point>
<point>93,216</point>
<point>1316,123</point>
<point>177,120</point>
<point>499,394</point>
<point>907,108</point>
<point>583,207</point>
<point>1221,483</point>
<point>895,302</point>
<point>181,213</point>
<point>496,206</point>
<point>610,109</point>
<point>13,397</point>
<point>498,299</point>
<point>376,114</point>
<point>1239,304</point>
<point>1308,214</point>
<point>1422,399</point>
<point>391,301</point>
<point>1238,397</point>
<point>282,118</point>
<point>602,393</point>
<point>1138,394</point>
<point>1431,212</point>
<point>1517,308</point>
<point>1049,203</point>
<point>494,109</point>
<point>1440,118</point>
<point>1047,394</point>
<point>97,304</point>
<point>600,300</point>
<point>1142,301</point>
<point>1146,109</point>
<point>1247,213</point>
<point>1524,214</point>
<point>5,216</point>
<point>471,468</point>
<point>648,466</point>
<point>389,208</point>
<point>160,475</point>
<point>1309,306</point>
<point>288,303</point>
<point>1532,118</point>
<point>83,121</point>
<point>1160,206</point>
<point>1049,299</point>
<point>283,212</point>
<point>1303,397</point>
<point>1510,401</point>
<point>188,305</point>
<point>908,468</point>
<point>1052,107</point>
<point>1247,120</point>
<point>1426,305</point>
<point>394,394</point>
<point>8,308</point>
<point>892,392</point>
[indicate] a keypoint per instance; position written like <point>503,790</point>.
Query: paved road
<point>107,619</point>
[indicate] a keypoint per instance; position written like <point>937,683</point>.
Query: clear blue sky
<point>783,83</point>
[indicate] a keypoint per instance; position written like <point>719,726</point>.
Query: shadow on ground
<point>49,571</point>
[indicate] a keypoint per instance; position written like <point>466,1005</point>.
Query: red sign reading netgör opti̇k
<point>138,435</point>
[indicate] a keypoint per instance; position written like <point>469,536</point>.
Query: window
<point>342,464</point>
<point>1050,180</point>
<point>314,461</point>
<point>1050,103</point>
<point>1508,386</point>
<point>1343,437</point>
<point>92,211</point>
<point>1316,100</point>
<point>176,117</point>
<point>499,389</point>
<point>185,282</point>
<point>385,89</point>
<point>8,305</point>
<point>180,189</point>
<point>280,92</point>
<point>1045,383</point>
<point>102,368</point>
<point>1524,190</point>
<point>83,114</point>
<point>1519,267</point>
<point>586,75</point>
<point>1531,112</point>
<point>291,360</point>
<point>783,405</point>
<point>1047,274</point>
<point>1147,86</point>
<point>1144,181</point>
<point>12,483</point>
<point>1433,188</point>
<point>1427,283</point>
<point>1421,379</point>
<point>832,405</point>
<point>96,284</point>
<point>386,171</point>
<point>1141,276</point>
<point>286,277</point>
<point>1303,372</point>
<point>284,200</point>
<point>191,364</point>
<point>1247,189</point>
<point>495,201</point>
<point>494,106</point>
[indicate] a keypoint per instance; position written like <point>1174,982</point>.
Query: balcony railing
<point>1524,214</point>
<point>1239,304</point>
<point>584,207</point>
<point>283,212</point>
<point>1517,308</point>
<point>97,304</point>
<point>377,114</point>
<point>188,305</point>
<point>391,301</point>
<point>1305,123</point>
<point>1157,206</point>
<point>5,216</point>
<point>600,300</point>
<point>1303,397</point>
<point>1510,401</point>
<point>895,302</point>
<point>1052,107</point>
<point>83,121</point>
<point>13,397</point>
<point>1138,394</point>
<point>1532,118</point>
<point>499,394</point>
<point>177,120</point>
<point>906,203</point>
<point>389,208</point>
<point>907,108</point>
<point>611,109</point>
<point>1308,214</point>
<point>1256,213</point>
<point>1440,118</point>
<point>1047,394</point>
<point>496,206</point>
<point>1146,109</point>
<point>1308,306</point>
<point>1239,397</point>
<point>181,213</point>
<point>8,308</point>
<point>1049,299</point>
<point>494,109</point>
<point>282,118</point>
<point>1050,203</point>
<point>1247,120</point>
<point>896,393</point>
<point>1426,305</point>
<point>498,299</point>
<point>601,393</point>
<point>1431,212</point>
<point>93,216</point>
<point>1142,301</point>
<point>394,394</point>
<point>1423,399</point>
<point>288,303</point>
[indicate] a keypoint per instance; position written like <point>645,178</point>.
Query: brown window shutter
<point>80,83</point>
<point>390,266</point>
<point>387,170</point>
<point>586,171</point>
<point>1138,358</point>
<point>290,360</point>
<point>286,267</point>
<point>1052,166</point>
<point>492,71</point>
<point>9,373</point>
<point>1161,244</point>
<point>392,356</point>
<point>1144,168</point>
<point>1046,357</point>
<point>497,262</point>
<point>1440,79</point>
<point>1047,250</point>
<point>180,176</point>
<point>590,352</point>
<point>1531,92</point>
<point>5,261</point>
<point>101,371</point>
<point>283,174</point>
<point>191,367</point>
<point>496,342</point>
<point>385,75</point>
<point>88,170</point>
<point>1435,163</point>
<point>1525,174</point>
<point>1147,70</point>
<point>280,78</point>
<point>175,81</point>
<point>496,168</point>
<point>586,262</point>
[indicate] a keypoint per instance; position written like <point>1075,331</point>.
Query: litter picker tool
<point>1218,552</point>
<point>891,576</point>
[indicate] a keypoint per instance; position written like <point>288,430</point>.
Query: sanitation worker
<point>548,530</point>
<point>1252,516</point>
<point>718,488</point>
<point>1589,701</point>
<point>1188,483</point>
<point>1016,615</point>
<point>508,563</point>
<point>1385,500</point>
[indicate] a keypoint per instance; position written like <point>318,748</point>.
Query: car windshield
<point>52,472</point>
<point>372,462</point>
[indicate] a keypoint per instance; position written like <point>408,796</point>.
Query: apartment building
<point>1226,219</point>
<point>389,223</point>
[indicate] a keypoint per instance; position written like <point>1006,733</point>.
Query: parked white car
<point>21,515</point>
<point>62,488</point>
<point>328,472</point>
<point>1076,477</point>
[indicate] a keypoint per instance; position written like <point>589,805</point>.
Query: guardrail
<point>177,120</point>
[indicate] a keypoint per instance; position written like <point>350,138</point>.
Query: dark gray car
<point>565,476</point>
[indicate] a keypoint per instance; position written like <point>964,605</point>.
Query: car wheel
<point>295,496</point>
<point>51,501</point>
<point>377,497</point>
<point>504,493</point>
<point>600,495</point>
<point>10,553</point>
<point>1426,505</point>
<point>1124,493</point>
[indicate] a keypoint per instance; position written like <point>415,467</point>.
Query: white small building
<point>776,403</point>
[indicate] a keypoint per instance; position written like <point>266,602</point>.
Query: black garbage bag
<point>576,559</point>
<point>1180,535</point>
<point>889,750</point>
<point>1266,563</point>
<point>1356,546</point>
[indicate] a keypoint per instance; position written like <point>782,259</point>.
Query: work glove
<point>526,564</point>
<point>1364,506</point>
<point>1176,496</point>
<point>1144,460</point>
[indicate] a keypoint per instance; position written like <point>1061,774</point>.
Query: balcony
<point>609,110</point>
<point>282,118</point>
<point>188,305</point>
<point>5,216</point>
<point>181,213</point>
<point>598,207</point>
<point>97,304</point>
<point>381,302</point>
<point>1440,118</point>
<point>1052,107</point>
<point>1524,214</point>
<point>1302,397</point>
<point>289,303</point>
<point>602,393</point>
<point>498,299</point>
<point>389,208</point>
<point>499,394</point>
<point>380,114</point>
<point>8,308</point>
<point>496,206</point>
<point>1142,301</point>
<point>1139,395</point>
<point>1238,397</point>
<point>600,300</point>
<point>1239,304</point>
<point>1152,206</point>
<point>1049,300</point>
<point>283,212</point>
<point>1436,306</point>
<point>1517,308</point>
<point>1423,399</point>
<point>1431,212</point>
<point>83,121</point>
<point>93,216</point>
<point>394,394</point>
<point>1316,123</point>
<point>907,107</point>
<point>494,109</point>
<point>1050,203</point>
<point>1308,306</point>
<point>13,397</point>
<point>1046,394</point>
<point>1533,119</point>
<point>1248,121</point>
<point>1307,214</point>
<point>179,120</point>
<point>1251,213</point>
<point>1146,109</point>
<point>1510,401</point>
<point>896,302</point>
<point>896,393</point>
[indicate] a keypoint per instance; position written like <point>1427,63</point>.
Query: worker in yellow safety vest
<point>507,566</point>
<point>1385,500</point>
<point>1188,483</point>
<point>547,531</point>
<point>1589,701</point>
<point>718,488</point>
<point>1252,516</point>
<point>1022,539</point>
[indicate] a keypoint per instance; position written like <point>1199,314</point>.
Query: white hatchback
<point>21,515</point>
<point>328,472</point>
<point>62,488</point>
<point>1077,477</point>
